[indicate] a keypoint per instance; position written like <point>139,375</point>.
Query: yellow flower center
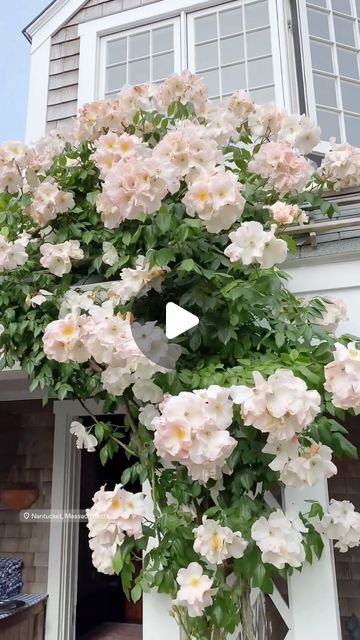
<point>68,331</point>
<point>195,582</point>
<point>216,542</point>
<point>202,196</point>
<point>115,503</point>
<point>179,432</point>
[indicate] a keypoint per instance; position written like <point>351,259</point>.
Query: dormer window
<point>136,56</point>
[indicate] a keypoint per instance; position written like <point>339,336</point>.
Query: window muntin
<point>334,36</point>
<point>230,46</point>
<point>139,55</point>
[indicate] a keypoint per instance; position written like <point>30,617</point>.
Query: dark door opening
<point>102,610</point>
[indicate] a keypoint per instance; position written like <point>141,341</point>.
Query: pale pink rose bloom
<point>279,540</point>
<point>283,168</point>
<point>57,257</point>
<point>241,105</point>
<point>215,198</point>
<point>251,243</point>
<point>283,450</point>
<point>265,120</point>
<point>192,429</point>
<point>342,377</point>
<point>341,166</point>
<point>195,592</point>
<point>62,340</point>
<point>312,465</point>
<point>111,148</point>
<point>300,132</point>
<point>334,313</point>
<point>283,213</point>
<point>183,88</point>
<point>280,406</point>
<point>49,201</point>
<point>216,543</point>
<point>341,523</point>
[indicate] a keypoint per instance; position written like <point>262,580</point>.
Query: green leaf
<point>136,592</point>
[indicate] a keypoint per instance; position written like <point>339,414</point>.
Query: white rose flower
<point>147,391</point>
<point>84,439</point>
<point>110,255</point>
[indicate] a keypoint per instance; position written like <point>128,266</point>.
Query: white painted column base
<point>313,597</point>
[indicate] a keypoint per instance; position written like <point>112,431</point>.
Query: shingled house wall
<point>64,58</point>
<point>26,455</point>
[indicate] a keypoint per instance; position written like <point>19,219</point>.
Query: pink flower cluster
<point>183,88</point>
<point>114,515</point>
<point>49,201</point>
<point>341,166</point>
<point>283,213</point>
<point>134,187</point>
<point>300,466</point>
<point>283,168</point>
<point>279,538</point>
<point>57,257</point>
<point>193,430</point>
<point>189,149</point>
<point>14,159</point>
<point>341,523</point>
<point>111,148</point>
<point>342,377</point>
<point>216,198</point>
<point>281,406</point>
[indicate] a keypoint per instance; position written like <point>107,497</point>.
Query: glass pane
<point>232,49</point>
<point>115,77</point>
<point>260,96</point>
<point>205,28</point>
<point>344,30</point>
<point>358,7</point>
<point>256,15</point>
<point>163,39</point>
<point>318,24</point>
<point>233,78</point>
<point>258,43</point>
<point>320,3</point>
<point>139,71</point>
<point>325,92</point>
<point>348,63</point>
<point>329,124</point>
<point>351,96</point>
<point>321,55</point>
<point>260,72</point>
<point>343,6</point>
<point>116,51</point>
<point>163,65</point>
<point>206,55</point>
<point>211,79</point>
<point>231,21</point>
<point>352,126</point>
<point>139,45</point>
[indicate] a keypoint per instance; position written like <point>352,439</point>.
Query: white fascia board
<point>38,92</point>
<point>51,20</point>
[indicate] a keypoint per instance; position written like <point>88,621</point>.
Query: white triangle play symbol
<point>178,320</point>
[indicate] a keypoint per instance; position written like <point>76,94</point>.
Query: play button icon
<point>178,320</point>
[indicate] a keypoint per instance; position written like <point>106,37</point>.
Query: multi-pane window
<point>147,54</point>
<point>230,47</point>
<point>334,35</point>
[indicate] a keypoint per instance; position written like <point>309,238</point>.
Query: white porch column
<point>313,597</point>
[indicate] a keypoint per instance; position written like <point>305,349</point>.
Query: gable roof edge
<point>48,13</point>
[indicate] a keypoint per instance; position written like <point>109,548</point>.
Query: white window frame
<point>308,77</point>
<point>175,22</point>
<point>279,45</point>
<point>94,32</point>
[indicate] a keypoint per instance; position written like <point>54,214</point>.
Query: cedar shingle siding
<point>64,58</point>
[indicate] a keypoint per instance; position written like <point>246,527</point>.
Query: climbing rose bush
<point>156,196</point>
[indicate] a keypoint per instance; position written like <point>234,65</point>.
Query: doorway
<point>102,610</point>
